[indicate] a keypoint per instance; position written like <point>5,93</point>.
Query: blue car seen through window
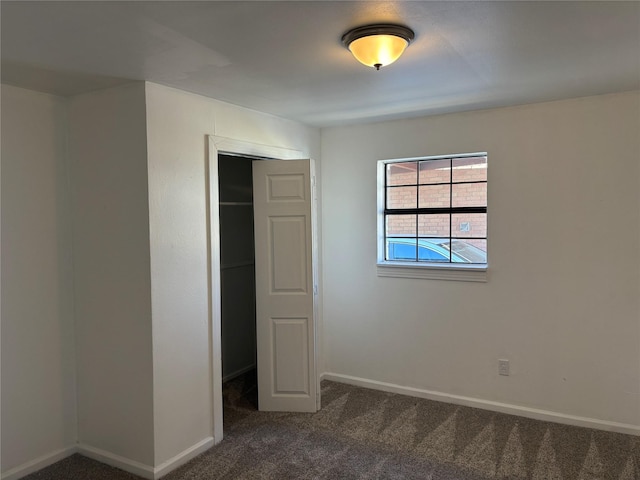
<point>433,250</point>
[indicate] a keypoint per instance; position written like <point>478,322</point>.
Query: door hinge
<point>315,289</point>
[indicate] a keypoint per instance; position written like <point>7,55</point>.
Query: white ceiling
<point>285,57</point>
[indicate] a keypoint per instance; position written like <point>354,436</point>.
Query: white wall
<point>562,299</point>
<point>38,373</point>
<point>85,204</point>
<point>177,125</point>
<point>108,156</point>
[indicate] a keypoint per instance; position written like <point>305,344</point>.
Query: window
<point>432,214</point>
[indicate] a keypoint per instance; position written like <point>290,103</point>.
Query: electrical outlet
<point>503,367</point>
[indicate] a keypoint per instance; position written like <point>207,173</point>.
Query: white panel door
<point>285,328</point>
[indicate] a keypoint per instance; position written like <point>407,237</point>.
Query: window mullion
<point>417,207</point>
<point>434,210</point>
<point>450,205</point>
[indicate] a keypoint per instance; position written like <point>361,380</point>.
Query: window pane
<point>432,250</point>
<point>401,249</point>
<point>469,251</point>
<point>400,225</point>
<point>471,169</point>
<point>402,197</point>
<point>435,171</point>
<point>434,196</point>
<point>402,173</point>
<point>469,225</point>
<point>469,195</point>
<point>433,225</point>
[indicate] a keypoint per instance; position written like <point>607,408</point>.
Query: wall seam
<point>69,205</point>
<point>153,367</point>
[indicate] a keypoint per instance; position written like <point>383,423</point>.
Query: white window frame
<point>423,270</point>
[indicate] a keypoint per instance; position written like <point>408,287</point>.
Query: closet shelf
<point>228,266</point>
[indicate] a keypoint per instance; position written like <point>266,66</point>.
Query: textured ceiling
<point>285,57</point>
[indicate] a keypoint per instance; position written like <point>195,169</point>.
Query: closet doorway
<point>285,274</point>
<point>237,281</point>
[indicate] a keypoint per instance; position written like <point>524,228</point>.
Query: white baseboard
<point>527,412</point>
<point>38,463</point>
<point>183,457</point>
<point>140,469</point>
<point>123,463</point>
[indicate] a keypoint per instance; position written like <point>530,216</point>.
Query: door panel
<point>287,261</point>
<point>287,187</point>
<point>285,328</point>
<point>291,354</point>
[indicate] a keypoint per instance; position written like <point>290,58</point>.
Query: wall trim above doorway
<point>241,147</point>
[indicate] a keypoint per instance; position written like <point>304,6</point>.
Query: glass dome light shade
<point>378,45</point>
<point>378,50</point>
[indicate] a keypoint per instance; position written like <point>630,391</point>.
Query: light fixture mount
<point>379,44</point>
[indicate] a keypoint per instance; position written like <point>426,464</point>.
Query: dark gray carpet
<point>366,434</point>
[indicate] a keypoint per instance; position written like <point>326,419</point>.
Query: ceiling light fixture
<point>378,45</point>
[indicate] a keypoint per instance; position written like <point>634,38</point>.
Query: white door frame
<point>216,146</point>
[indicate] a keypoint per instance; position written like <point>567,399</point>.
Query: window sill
<point>466,273</point>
